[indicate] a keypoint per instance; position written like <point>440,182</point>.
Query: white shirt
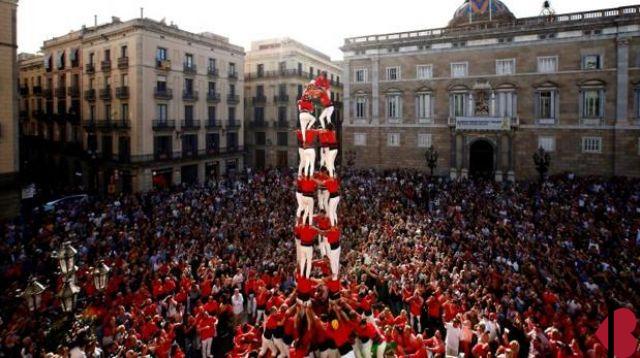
<point>237,301</point>
<point>452,340</point>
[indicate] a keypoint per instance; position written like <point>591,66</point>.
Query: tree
<point>432,158</point>
<point>542,161</point>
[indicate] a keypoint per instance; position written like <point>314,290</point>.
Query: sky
<point>322,25</point>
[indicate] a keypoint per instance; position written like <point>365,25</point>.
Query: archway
<point>481,159</point>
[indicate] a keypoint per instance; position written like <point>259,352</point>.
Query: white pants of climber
<point>268,344</point>
<point>251,305</point>
<point>362,350</point>
<point>333,210</point>
<point>334,262</point>
<point>206,348</point>
<point>309,156</point>
<point>325,116</point>
<point>300,200</point>
<point>307,212</point>
<point>414,322</point>
<point>306,121</point>
<point>381,348</point>
<point>302,162</point>
<point>282,347</point>
<point>330,161</point>
<point>323,200</point>
<point>259,316</point>
<point>306,256</point>
<point>324,247</point>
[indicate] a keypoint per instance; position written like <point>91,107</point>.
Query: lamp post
<point>66,258</point>
<point>101,276</point>
<point>33,294</point>
<point>431,157</point>
<point>68,295</point>
<point>542,161</point>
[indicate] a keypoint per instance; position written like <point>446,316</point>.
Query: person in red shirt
<point>308,235</point>
<point>328,150</point>
<point>306,151</point>
<point>334,287</point>
<point>340,331</point>
<point>269,329</point>
<point>261,302</point>
<point>325,98</point>
<point>333,187</point>
<point>415,311</point>
<point>321,221</point>
<point>305,195</point>
<point>304,288</point>
<point>367,335</point>
<point>435,344</point>
<point>306,108</point>
<point>207,330</point>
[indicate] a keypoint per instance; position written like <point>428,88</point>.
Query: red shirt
<point>275,301</point>
<point>305,104</point>
<point>327,138</point>
<point>263,297</point>
<point>273,320</point>
<point>433,307</point>
<point>333,235</point>
<point>309,136</point>
<point>333,286</point>
<point>308,235</point>
<point>307,186</point>
<point>332,185</point>
<point>415,305</point>
<point>290,327</point>
<point>342,335</point>
<point>322,222</point>
<point>369,331</point>
<point>322,82</point>
<point>304,285</point>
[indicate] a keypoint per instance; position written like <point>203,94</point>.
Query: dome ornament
<point>547,10</point>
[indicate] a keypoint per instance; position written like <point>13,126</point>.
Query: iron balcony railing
<point>164,124</point>
<point>123,62</point>
<point>163,93</point>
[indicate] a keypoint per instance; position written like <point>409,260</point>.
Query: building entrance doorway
<point>481,159</point>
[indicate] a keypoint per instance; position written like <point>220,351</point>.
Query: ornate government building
<point>489,89</point>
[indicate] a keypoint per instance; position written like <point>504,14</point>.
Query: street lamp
<point>66,257</point>
<point>542,160</point>
<point>432,158</point>
<point>68,295</point>
<point>101,276</point>
<point>33,294</point>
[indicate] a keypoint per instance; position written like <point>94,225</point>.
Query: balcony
<point>164,125</point>
<point>105,65</point>
<point>123,63</point>
<point>37,90</point>
<point>233,99</point>
<point>191,153</point>
<point>74,91</point>
<point>122,92</point>
<point>106,94</point>
<point>212,72</point>
<point>546,121</point>
<point>281,124</point>
<point>472,123</point>
<point>234,149</point>
<point>163,155</point>
<point>90,95</point>
<point>277,74</point>
<point>233,124</point>
<point>190,125</point>
<point>75,64</point>
<point>190,69</point>
<point>164,65</point>
<point>233,75</point>
<point>24,90</point>
<point>110,124</point>
<point>163,93</point>
<point>47,93</point>
<point>212,150</point>
<point>258,124</point>
<point>90,68</point>
<point>281,98</point>
<point>189,95</point>
<point>61,92</point>
<point>259,99</point>
<point>211,124</point>
<point>213,97</point>
<point>591,122</point>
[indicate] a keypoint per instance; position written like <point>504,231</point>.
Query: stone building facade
<point>489,89</point>
<point>276,73</point>
<point>133,105</point>
<point>9,130</point>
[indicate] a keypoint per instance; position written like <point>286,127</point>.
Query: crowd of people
<point>429,267</point>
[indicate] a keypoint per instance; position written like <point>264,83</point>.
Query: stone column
<point>500,149</point>
<point>622,90</point>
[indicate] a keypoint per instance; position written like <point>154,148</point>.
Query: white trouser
<point>330,161</point>
<point>323,200</point>
<point>282,347</point>
<point>414,321</point>
<point>324,246</point>
<point>323,156</point>
<point>251,305</point>
<point>334,262</point>
<point>362,350</point>
<point>302,162</point>
<point>306,256</point>
<point>300,200</point>
<point>381,348</point>
<point>306,121</point>
<point>309,156</point>
<point>267,344</point>
<point>206,348</point>
<point>348,355</point>
<point>307,214</point>
<point>259,316</point>
<point>333,210</point>
<point>325,115</point>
